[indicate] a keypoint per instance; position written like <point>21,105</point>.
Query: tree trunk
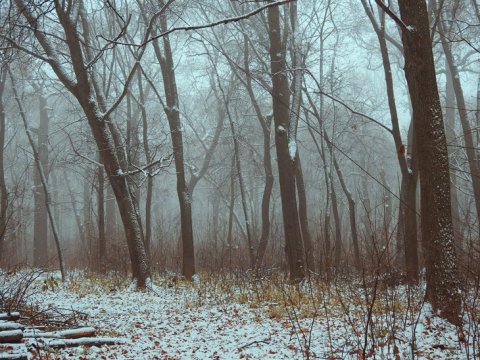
<point>110,214</point>
<point>437,230</point>
<point>84,88</point>
<point>351,201</point>
<point>231,212</point>
<point>3,186</point>
<point>286,164</point>
<point>148,158</point>
<point>303,217</point>
<point>101,218</point>
<point>78,219</point>
<point>351,213</point>
<point>451,140</point>
<point>408,208</point>
<point>266,123</point>
<point>41,173</point>
<point>238,167</point>
<point>243,195</point>
<point>462,111</point>
<point>40,222</point>
<point>338,225</point>
<point>173,116</point>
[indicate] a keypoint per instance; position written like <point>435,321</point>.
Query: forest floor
<point>234,317</point>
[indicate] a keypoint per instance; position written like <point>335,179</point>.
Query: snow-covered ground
<point>237,319</point>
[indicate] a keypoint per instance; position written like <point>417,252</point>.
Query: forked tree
<point>78,77</point>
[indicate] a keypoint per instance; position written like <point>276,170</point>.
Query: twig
<point>265,341</point>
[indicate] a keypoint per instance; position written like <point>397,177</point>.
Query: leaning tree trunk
<point>437,230</point>
<point>41,173</point>
<point>286,162</point>
<point>83,88</point>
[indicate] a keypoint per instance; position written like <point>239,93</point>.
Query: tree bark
<point>470,148</point>
<point>286,165</point>
<point>40,222</point>
<point>451,140</point>
<point>303,217</point>
<point>42,176</point>
<point>437,230</point>
<point>408,207</point>
<point>88,95</point>
<point>101,218</point>
<point>173,116</point>
<point>3,186</point>
<point>148,158</point>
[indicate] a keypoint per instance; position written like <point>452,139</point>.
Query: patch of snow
<point>175,322</point>
<point>292,148</point>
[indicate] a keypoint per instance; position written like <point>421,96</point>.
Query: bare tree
<point>436,222</point>
<point>408,190</point>
<point>85,88</point>
<point>42,177</point>
<point>284,146</point>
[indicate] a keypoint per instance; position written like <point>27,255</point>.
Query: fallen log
<point>13,352</point>
<point>11,336</point>
<point>10,316</point>
<point>66,334</point>
<point>10,325</point>
<point>87,341</point>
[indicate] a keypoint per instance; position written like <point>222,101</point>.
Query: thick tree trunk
<point>451,141</point>
<point>121,189</point>
<point>84,88</point>
<point>286,165</point>
<point>437,229</point>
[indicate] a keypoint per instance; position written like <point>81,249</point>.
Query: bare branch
<point>204,26</point>
<point>393,16</point>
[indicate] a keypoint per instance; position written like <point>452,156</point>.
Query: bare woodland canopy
<point>315,136</point>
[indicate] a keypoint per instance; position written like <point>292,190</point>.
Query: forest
<point>239,179</point>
